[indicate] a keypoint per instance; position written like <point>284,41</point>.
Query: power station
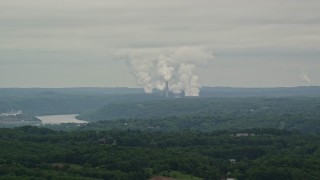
<point>166,90</point>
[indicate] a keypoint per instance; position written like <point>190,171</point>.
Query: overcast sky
<point>67,43</point>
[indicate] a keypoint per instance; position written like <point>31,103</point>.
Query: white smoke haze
<point>305,78</point>
<point>160,85</point>
<point>164,70</point>
<point>152,69</point>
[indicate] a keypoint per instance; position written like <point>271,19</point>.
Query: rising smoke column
<point>176,66</point>
<point>164,70</point>
<point>141,70</point>
<point>189,80</point>
<point>305,78</point>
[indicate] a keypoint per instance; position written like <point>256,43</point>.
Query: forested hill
<point>40,101</point>
<point>207,114</point>
<point>64,101</point>
<point>35,153</point>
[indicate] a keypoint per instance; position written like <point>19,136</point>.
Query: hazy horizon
<point>136,87</point>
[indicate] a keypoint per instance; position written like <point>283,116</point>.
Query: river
<point>58,119</point>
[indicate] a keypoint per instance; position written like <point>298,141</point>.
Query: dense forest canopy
<point>206,114</point>
<point>38,153</point>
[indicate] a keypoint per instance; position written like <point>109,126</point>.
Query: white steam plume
<point>175,66</point>
<point>305,78</point>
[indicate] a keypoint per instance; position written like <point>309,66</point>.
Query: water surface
<point>58,119</point>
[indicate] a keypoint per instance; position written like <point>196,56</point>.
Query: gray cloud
<point>70,32</point>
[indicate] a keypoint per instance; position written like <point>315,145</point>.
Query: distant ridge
<point>260,92</point>
<point>205,91</point>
